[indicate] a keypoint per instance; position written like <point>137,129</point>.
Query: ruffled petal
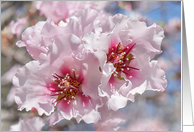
<point>116,102</point>
<point>34,41</point>
<point>156,79</point>
<point>31,89</point>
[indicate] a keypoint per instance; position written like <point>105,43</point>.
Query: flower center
<point>66,87</point>
<point>121,58</point>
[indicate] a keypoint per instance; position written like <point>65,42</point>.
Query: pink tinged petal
<point>30,30</point>
<point>57,116</point>
<point>119,22</point>
<point>67,43</point>
<point>158,35</point>
<point>64,45</point>
<point>125,90</point>
<point>101,55</point>
<point>116,102</point>
<point>139,89</point>
<point>156,79</point>
<point>20,43</point>
<point>97,27</point>
<point>68,111</point>
<point>87,20</point>
<point>92,117</point>
<point>34,50</point>
<point>104,88</point>
<point>33,124</point>
<point>96,42</point>
<point>34,41</point>
<point>152,35</point>
<point>105,26</point>
<point>31,89</point>
<point>93,74</point>
<point>49,29</point>
<point>83,22</point>
<point>125,39</point>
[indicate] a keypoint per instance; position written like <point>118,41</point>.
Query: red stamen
<point>67,87</point>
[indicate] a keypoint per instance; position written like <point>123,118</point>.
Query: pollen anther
<point>69,87</point>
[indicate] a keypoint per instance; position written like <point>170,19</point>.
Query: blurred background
<point>159,111</point>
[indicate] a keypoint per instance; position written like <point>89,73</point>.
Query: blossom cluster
<point>88,67</point>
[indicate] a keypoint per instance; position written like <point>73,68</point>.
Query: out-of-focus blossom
<point>8,76</point>
<point>147,125</point>
<point>125,53</point>
<point>33,113</point>
<point>11,96</point>
<point>173,25</point>
<point>110,120</point>
<point>6,79</point>
<point>33,124</point>
<point>18,27</point>
<point>165,64</point>
<point>61,10</point>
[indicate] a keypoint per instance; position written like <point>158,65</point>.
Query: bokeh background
<point>150,111</point>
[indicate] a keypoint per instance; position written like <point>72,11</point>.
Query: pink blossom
<point>33,124</point>
<point>6,79</point>
<point>85,61</point>
<point>8,76</point>
<point>173,25</point>
<point>64,79</point>
<point>125,53</point>
<point>61,10</point>
<point>18,27</point>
